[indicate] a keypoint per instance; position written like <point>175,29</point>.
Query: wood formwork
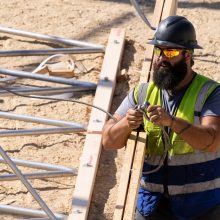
<point>135,149</point>
<point>92,147</point>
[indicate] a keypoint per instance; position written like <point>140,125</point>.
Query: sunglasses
<point>169,53</point>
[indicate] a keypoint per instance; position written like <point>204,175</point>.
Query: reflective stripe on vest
<point>204,93</point>
<point>182,189</point>
<point>186,159</point>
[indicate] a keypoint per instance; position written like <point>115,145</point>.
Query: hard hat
<point>175,32</point>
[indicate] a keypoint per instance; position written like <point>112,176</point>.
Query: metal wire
<point>166,140</point>
<point>58,99</point>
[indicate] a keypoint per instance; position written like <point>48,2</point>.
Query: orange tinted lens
<point>171,52</point>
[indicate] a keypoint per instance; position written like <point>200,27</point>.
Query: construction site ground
<point>90,21</point>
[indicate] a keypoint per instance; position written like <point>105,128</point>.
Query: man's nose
<point>162,57</point>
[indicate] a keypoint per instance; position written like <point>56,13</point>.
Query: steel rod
<point>49,38</point>
<point>141,14</point>
<point>27,212</point>
<point>60,80</point>
<point>42,91</point>
<point>35,219</point>
<point>38,175</point>
<point>40,131</point>
<point>45,52</point>
<point>27,184</point>
<point>39,165</point>
<point>8,80</point>
<point>28,118</point>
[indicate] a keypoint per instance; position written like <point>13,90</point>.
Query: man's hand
<point>133,118</point>
<point>115,134</point>
<point>159,115</point>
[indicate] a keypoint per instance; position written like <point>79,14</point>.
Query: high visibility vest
<point>192,176</point>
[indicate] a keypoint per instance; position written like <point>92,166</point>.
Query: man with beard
<point>186,106</point>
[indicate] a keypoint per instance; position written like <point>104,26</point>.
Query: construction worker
<point>181,176</point>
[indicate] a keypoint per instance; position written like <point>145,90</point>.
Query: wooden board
<point>131,148</point>
<point>136,173</point>
<point>92,147</point>
<point>146,68</point>
<point>170,8</point>
<point>125,176</point>
<point>163,8</point>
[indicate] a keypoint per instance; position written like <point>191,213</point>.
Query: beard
<point>167,76</point>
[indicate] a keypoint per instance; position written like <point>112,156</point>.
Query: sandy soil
<point>90,21</point>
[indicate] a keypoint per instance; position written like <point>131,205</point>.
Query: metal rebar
<point>39,165</point>
<point>40,131</point>
<point>42,91</point>
<point>8,80</point>
<point>60,80</point>
<point>141,14</point>
<point>27,212</point>
<point>38,175</point>
<point>28,118</point>
<point>35,219</point>
<point>50,38</point>
<point>27,184</point>
<point>11,53</point>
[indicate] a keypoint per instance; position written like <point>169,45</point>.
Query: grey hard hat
<point>175,32</point>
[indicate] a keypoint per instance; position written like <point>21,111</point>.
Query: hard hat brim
<point>172,45</point>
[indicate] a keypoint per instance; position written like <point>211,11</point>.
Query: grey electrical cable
<point>166,139</point>
<point>58,99</point>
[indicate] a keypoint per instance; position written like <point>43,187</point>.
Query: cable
<point>58,99</point>
<point>141,108</point>
<point>166,139</point>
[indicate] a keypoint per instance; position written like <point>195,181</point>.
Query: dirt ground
<point>90,21</point>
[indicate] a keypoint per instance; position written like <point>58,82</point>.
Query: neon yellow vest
<point>185,111</point>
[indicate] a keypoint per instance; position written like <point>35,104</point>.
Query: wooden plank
<point>146,68</point>
<point>92,147</point>
<point>170,8</point>
<point>163,8</point>
<point>129,154</point>
<point>124,179</point>
<point>136,173</point>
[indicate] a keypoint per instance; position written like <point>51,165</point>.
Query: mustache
<point>163,63</point>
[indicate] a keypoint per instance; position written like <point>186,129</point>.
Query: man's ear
<point>188,55</point>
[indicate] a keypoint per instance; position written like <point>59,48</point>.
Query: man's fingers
<point>135,118</point>
<point>134,124</point>
<point>134,112</point>
<point>152,108</point>
<point>155,118</point>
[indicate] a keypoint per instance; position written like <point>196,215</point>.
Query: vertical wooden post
<point>163,8</point>
<point>125,176</point>
<point>136,173</point>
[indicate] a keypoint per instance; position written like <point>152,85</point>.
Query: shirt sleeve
<point>212,104</point>
<point>126,104</point>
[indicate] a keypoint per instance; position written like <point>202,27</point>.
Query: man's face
<point>169,72</point>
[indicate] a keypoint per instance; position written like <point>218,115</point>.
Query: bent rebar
<point>141,14</point>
